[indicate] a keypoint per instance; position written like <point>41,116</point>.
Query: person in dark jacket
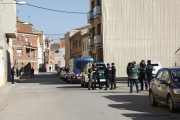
<point>32,72</point>
<point>108,75</point>
<point>142,75</point>
<point>96,75</point>
<point>113,75</point>
<point>149,70</point>
<point>12,75</point>
<point>127,71</point>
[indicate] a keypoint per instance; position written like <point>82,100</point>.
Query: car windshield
<point>81,64</point>
<point>154,64</point>
<point>101,66</point>
<point>175,74</point>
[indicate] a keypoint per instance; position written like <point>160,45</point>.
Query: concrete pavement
<point>46,97</point>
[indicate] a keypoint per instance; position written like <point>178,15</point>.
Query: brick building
<point>62,42</point>
<point>47,55</point>
<point>25,48</point>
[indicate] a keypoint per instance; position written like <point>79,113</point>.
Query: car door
<point>163,88</point>
<point>156,85</point>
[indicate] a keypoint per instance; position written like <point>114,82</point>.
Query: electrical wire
<point>55,10</point>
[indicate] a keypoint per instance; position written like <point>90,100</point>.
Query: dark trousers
<point>90,82</point>
<point>96,77</point>
<point>32,75</point>
<point>12,78</point>
<point>143,77</point>
<point>114,80</point>
<point>109,79</point>
<point>149,77</point>
<point>132,81</point>
<point>128,82</point>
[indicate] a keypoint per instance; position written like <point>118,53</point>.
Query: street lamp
<point>20,2</point>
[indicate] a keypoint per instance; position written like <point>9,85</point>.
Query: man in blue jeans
<point>133,76</point>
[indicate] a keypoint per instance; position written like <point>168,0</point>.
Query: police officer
<point>96,75</point>
<point>149,70</point>
<point>90,73</point>
<point>108,74</point>
<point>113,75</point>
<point>142,75</point>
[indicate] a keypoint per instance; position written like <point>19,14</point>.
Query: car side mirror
<point>163,82</point>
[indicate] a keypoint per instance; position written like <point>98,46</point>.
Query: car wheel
<point>170,104</point>
<point>152,100</point>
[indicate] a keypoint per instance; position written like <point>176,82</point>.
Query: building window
<point>93,32</point>
<point>33,63</point>
<point>17,38</point>
<point>92,6</point>
<point>57,51</point>
<point>19,52</point>
<point>34,53</point>
<point>99,2</point>
<point>46,45</point>
<point>85,46</point>
<point>22,38</point>
<point>26,39</point>
<point>46,53</point>
<point>99,29</point>
<point>71,45</point>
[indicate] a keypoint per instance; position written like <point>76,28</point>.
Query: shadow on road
<point>140,103</point>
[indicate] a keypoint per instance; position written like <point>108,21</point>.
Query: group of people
<point>145,74</point>
<point>110,74</point>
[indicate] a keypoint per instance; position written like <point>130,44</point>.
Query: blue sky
<point>54,22</point>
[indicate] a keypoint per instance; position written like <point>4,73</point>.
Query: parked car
<point>76,67</point>
<point>85,79</point>
<point>165,88</point>
<point>62,73</point>
<point>156,67</point>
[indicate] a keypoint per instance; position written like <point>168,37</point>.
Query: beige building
<point>8,31</point>
<point>138,30</point>
<point>85,40</point>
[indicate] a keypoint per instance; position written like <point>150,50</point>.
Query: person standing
<point>108,74</point>
<point>17,74</point>
<point>96,75</point>
<point>113,75</point>
<point>133,76</point>
<point>12,75</point>
<point>127,71</point>
<point>90,73</point>
<point>143,76</point>
<point>149,70</point>
<point>32,72</point>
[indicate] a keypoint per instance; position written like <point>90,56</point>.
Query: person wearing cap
<point>108,75</point>
<point>149,70</point>
<point>142,75</point>
<point>113,75</point>
<point>96,75</point>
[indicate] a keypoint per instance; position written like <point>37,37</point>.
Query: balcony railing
<point>97,11</point>
<point>90,17</point>
<point>97,40</point>
<point>91,42</point>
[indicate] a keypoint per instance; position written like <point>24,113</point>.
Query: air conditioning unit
<point>30,43</point>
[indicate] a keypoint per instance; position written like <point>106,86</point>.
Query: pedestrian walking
<point>113,75</point>
<point>133,76</point>
<point>149,70</point>
<point>17,74</point>
<point>12,75</point>
<point>127,71</point>
<point>108,75</point>
<point>96,75</point>
<point>142,75</point>
<point>32,72</point>
<point>90,73</point>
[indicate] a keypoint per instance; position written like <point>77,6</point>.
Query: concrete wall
<point>61,56</point>
<point>140,29</point>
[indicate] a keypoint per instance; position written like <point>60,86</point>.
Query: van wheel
<point>170,104</point>
<point>152,100</point>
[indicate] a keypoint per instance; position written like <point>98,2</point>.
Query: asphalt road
<point>46,97</point>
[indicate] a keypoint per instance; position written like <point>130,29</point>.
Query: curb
<point>142,92</point>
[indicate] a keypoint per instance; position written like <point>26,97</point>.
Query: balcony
<point>98,40</point>
<point>91,42</point>
<point>89,30</point>
<point>97,12</point>
<point>90,17</point>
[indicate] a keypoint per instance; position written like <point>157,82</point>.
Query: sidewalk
<point>122,84</point>
<point>6,90</point>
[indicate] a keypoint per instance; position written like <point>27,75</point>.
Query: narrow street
<point>46,97</point>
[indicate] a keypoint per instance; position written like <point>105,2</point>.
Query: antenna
<point>29,19</point>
